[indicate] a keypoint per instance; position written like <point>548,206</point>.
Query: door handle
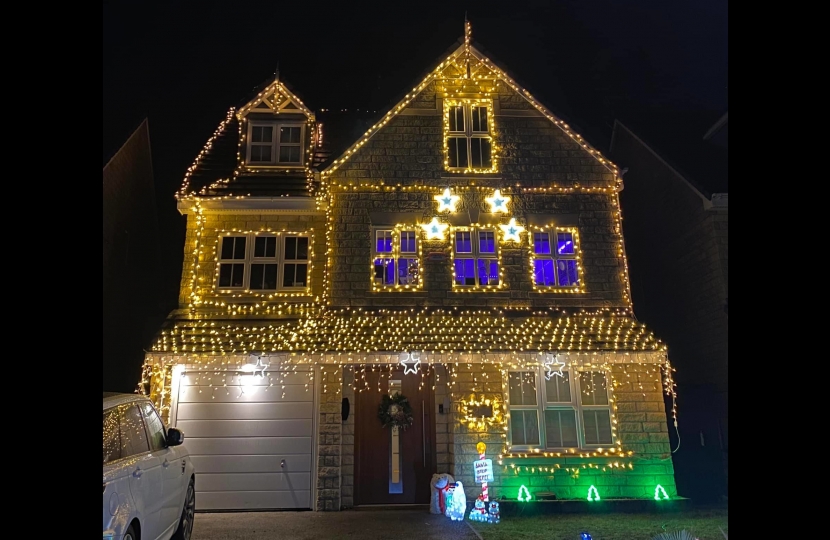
<point>138,473</point>
<point>166,464</point>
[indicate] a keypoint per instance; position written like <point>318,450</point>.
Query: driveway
<point>369,525</point>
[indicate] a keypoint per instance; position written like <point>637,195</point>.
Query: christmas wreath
<point>395,411</point>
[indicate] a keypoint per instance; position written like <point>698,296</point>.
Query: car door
<point>146,472</point>
<point>171,469</point>
<point>117,473</point>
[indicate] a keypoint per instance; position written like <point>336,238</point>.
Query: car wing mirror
<point>175,437</point>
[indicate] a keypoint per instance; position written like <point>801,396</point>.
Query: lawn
<point>702,523</point>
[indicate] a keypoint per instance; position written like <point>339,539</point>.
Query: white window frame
<point>276,143</point>
<point>251,259</point>
<point>476,255</point>
<point>470,134</point>
<point>396,255</point>
<point>555,257</point>
<point>576,405</point>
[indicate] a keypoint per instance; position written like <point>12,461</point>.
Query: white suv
<point>149,479</point>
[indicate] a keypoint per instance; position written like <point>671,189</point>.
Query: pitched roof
<point>492,68</point>
<point>365,332</point>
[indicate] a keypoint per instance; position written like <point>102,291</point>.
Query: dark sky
<point>183,64</point>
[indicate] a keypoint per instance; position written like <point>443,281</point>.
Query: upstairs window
<point>476,258</point>
<point>263,263</point>
<point>396,259</point>
<point>275,144</point>
<point>563,413</point>
<point>556,259</point>
<point>468,136</point>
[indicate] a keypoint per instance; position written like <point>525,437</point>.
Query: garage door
<point>252,444</point>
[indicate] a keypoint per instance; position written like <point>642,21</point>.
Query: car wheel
<point>130,534</point>
<point>188,514</point>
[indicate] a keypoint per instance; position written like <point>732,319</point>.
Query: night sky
<point>184,64</point>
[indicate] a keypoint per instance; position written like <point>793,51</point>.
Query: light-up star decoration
<point>447,202</point>
<point>498,203</point>
<point>512,231</point>
<point>435,230</point>
<point>258,367</point>
<point>411,363</point>
<point>554,367</point>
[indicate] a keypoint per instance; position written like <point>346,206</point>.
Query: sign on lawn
<point>484,471</point>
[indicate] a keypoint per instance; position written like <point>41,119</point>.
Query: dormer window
<point>468,136</point>
<point>274,144</point>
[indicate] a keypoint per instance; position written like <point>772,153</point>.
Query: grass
<point>703,524</point>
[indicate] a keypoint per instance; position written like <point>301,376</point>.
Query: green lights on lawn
<point>524,495</point>
<point>660,494</point>
<point>593,494</point>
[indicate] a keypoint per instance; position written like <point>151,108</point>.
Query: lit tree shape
<point>660,494</point>
<point>524,495</point>
<point>593,494</point>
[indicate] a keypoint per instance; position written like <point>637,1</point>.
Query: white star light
<point>254,368</point>
<point>554,367</point>
<point>498,202</point>
<point>436,230</point>
<point>512,231</point>
<point>447,202</point>
<point>411,363</point>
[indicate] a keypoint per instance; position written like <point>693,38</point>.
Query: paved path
<point>380,525</point>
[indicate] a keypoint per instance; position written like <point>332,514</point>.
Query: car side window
<point>133,437</point>
<point>155,429</point>
<point>112,436</point>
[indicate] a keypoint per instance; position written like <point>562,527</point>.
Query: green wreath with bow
<point>395,411</point>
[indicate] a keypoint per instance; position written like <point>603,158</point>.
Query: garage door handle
<point>282,464</point>
<point>138,473</point>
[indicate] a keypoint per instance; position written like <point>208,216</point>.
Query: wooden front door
<point>374,444</point>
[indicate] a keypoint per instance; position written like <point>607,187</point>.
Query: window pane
<point>262,134</point>
<point>239,248</point>
<point>465,272</point>
<point>302,276</point>
<point>458,152</point>
<point>488,272</point>
<point>565,244</point>
<point>480,124</point>
<point>463,242</point>
<point>231,275</point>
<point>545,276</point>
<point>302,248</point>
<point>261,154</point>
<point>408,242</point>
<point>291,248</point>
<point>594,388</point>
<point>598,427</point>
<point>560,427</point>
<point>559,389</point>
<point>523,388</point>
<point>265,247</point>
<point>289,154</point>
<point>481,153</point>
<point>408,271</point>
<point>385,272</point>
<point>158,439</point>
<point>133,437</point>
<point>289,135</point>
<point>233,248</point>
<point>541,243</point>
<point>525,428</point>
<point>257,273</point>
<point>457,119</point>
<point>384,242</point>
<point>487,242</point>
<point>568,273</point>
<point>112,436</point>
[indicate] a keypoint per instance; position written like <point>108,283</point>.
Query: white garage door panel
<point>277,378</point>
<point>254,482</point>
<point>254,500</point>
<point>233,394</point>
<point>254,446</point>
<point>248,411</point>
<point>246,428</point>
<point>251,464</point>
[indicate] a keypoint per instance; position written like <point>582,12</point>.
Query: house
<point>131,304</point>
<point>676,197</point>
<point>465,253</point>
